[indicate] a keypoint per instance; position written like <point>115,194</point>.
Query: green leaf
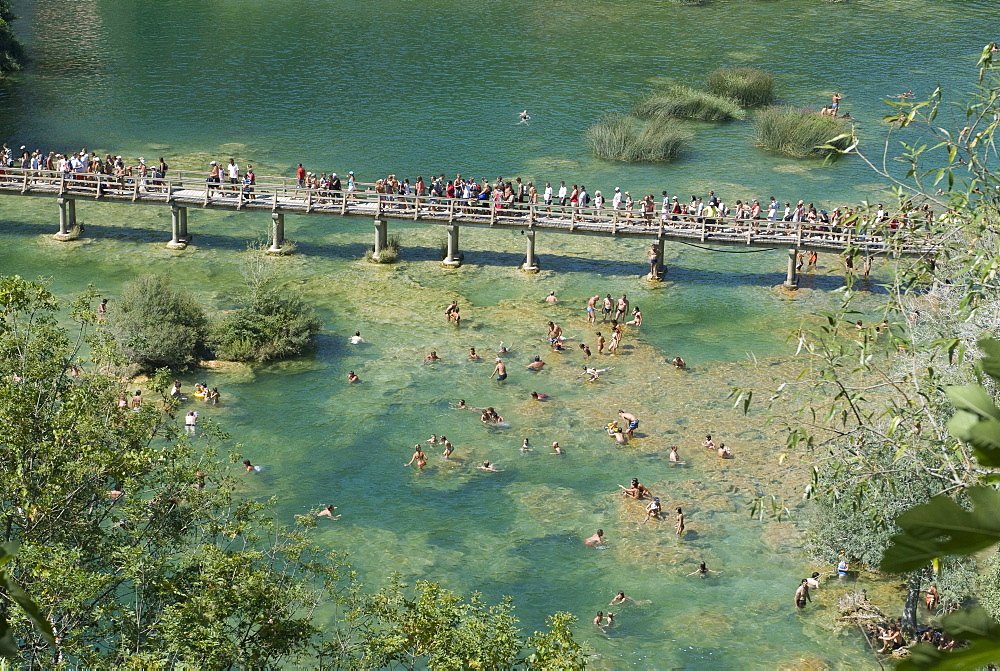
<point>7,551</point>
<point>31,610</point>
<point>941,527</point>
<point>991,361</point>
<point>8,646</point>
<point>973,625</point>
<point>985,437</point>
<point>973,398</point>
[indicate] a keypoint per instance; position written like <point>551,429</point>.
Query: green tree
<point>12,56</point>
<point>156,326</point>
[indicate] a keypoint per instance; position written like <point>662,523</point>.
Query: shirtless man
<point>596,539</point>
<point>679,526</point>
<point>537,364</point>
<point>551,298</point>
<point>633,422</point>
<point>622,307</point>
<point>327,511</point>
<point>600,343</point>
<point>450,310</point>
<point>635,490</point>
<point>674,457</point>
<point>636,318</point>
<point>608,305</point>
<point>352,377</point>
<point>654,259</point>
<point>136,401</point>
<point>500,371</point>
<point>591,307</point>
<point>433,356</point>
<point>487,466</point>
<point>679,363</point>
<point>555,333</point>
<point>593,373</point>
<point>802,594</point>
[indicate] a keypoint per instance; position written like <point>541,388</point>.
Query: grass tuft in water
<point>800,133</point>
<point>750,87</point>
<point>390,253</point>
<point>684,102</point>
<point>624,137</point>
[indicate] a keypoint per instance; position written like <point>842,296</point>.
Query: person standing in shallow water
<point>500,370</point>
<point>802,594</point>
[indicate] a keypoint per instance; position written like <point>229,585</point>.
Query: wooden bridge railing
<point>187,188</point>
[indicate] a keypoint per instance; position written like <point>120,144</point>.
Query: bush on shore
<point>799,133</point>
<point>750,87</point>
<point>684,102</point>
<point>623,137</point>
<point>155,326</point>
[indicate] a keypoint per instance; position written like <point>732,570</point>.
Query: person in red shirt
<point>301,174</point>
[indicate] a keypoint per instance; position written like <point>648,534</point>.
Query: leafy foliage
<point>12,56</point>
<point>156,326</point>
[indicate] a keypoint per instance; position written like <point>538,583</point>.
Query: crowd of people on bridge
<point>507,196</point>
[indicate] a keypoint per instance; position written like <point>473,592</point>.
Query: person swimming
<point>535,396</point>
<point>523,117</point>
<point>487,466</point>
<point>250,467</point>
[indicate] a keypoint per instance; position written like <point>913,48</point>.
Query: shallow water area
<point>422,89</point>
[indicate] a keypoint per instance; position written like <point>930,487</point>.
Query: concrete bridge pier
<point>67,219</point>
<point>530,260</point>
<point>381,236</point>
<point>792,279</point>
<point>454,257</point>
<point>277,232</point>
<point>176,241</point>
<point>184,235</point>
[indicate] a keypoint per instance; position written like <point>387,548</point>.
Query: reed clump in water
<point>800,133</point>
<point>625,137</point>
<point>750,87</point>
<point>389,253</point>
<point>685,102</point>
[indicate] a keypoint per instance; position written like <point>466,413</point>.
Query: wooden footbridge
<point>281,196</point>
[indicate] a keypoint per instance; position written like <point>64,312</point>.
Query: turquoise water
<point>381,87</point>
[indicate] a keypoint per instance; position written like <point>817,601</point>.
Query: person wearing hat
<point>616,200</point>
<point>653,509</point>
<point>335,183</point>
<point>352,186</point>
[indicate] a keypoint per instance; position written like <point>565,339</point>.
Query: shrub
<point>274,325</point>
<point>685,102</point>
<point>750,87</point>
<point>623,137</point>
<point>798,132</point>
<point>155,326</point>
<point>269,323</point>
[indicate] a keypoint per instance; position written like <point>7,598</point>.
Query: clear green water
<point>383,87</point>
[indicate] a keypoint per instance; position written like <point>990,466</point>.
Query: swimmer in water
<point>448,447</point>
<point>679,526</point>
<point>593,373</point>
<point>356,338</point>
<point>536,364</point>
<point>703,570</point>
<point>802,594</point>
<point>652,510</point>
<point>724,452</point>
<point>487,466</point>
<point>679,363</point>
<point>525,447</point>
<point>523,117</point>
<point>502,349</point>
<point>500,370</point>
<point>250,467</point>
<point>433,356</point>
<point>599,620</point>
<point>674,457</point>
<point>418,456</point>
<point>709,443</point>
<point>556,449</point>
<point>619,599</point>
<point>596,540</point>
<point>327,511</point>
<point>535,396</point>
<point>352,378</point>
<point>472,354</point>
<point>433,439</point>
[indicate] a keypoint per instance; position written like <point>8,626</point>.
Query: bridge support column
<point>530,260</point>
<point>176,242</point>
<point>381,236</point>
<point>792,279</point>
<point>185,236</point>
<point>67,219</point>
<point>453,258</point>
<point>277,233</point>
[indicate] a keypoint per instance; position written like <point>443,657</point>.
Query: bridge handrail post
<point>62,183</point>
<point>703,229</point>
<point>799,225</point>
<point>135,188</point>
<point>343,203</point>
<point>309,200</point>
<point>493,212</point>
<point>24,188</point>
<point>531,213</point>
<point>416,207</point>
<point>451,210</point>
<point>97,194</point>
<point>659,233</point>
<point>170,190</point>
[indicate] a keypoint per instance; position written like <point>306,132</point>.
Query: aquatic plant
<point>685,102</point>
<point>799,133</point>
<point>750,87</point>
<point>389,253</point>
<point>624,137</point>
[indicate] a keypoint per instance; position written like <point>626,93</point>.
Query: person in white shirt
<point>356,338</point>
<point>233,171</point>
<point>616,200</point>
<point>562,193</point>
<point>547,194</point>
